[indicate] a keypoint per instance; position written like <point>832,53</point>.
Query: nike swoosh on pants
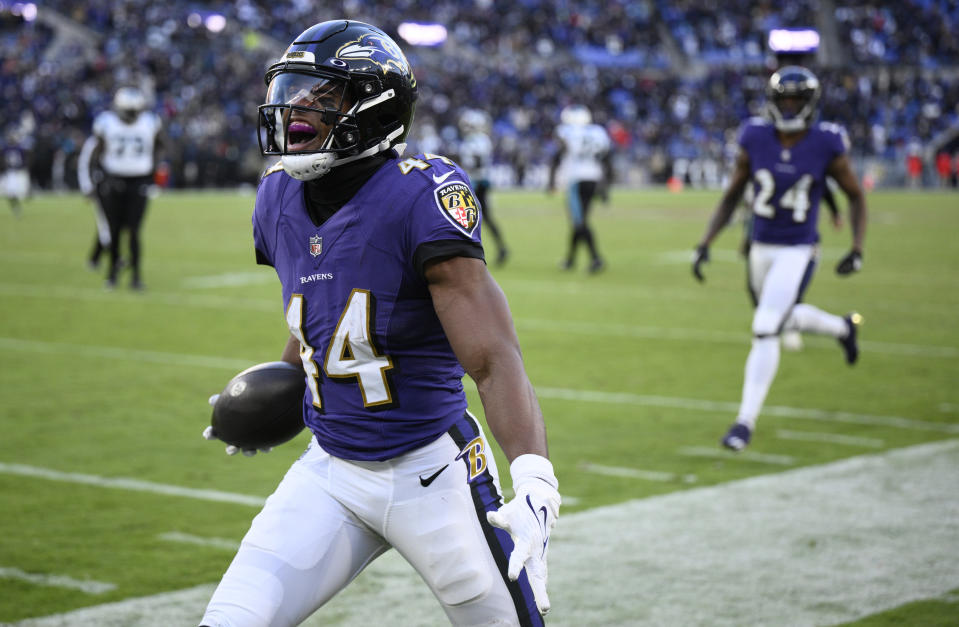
<point>431,478</point>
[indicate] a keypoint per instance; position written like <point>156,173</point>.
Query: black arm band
<point>443,249</point>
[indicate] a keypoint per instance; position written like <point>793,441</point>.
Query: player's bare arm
<point>724,210</point>
<point>291,352</point>
<point>841,170</point>
<point>476,318</point>
<point>732,195</point>
<point>553,166</point>
<point>94,161</point>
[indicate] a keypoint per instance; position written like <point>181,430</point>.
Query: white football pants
<point>329,518</point>
<point>778,276</point>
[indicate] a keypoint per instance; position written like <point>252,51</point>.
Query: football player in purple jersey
<point>786,158</point>
<point>388,302</point>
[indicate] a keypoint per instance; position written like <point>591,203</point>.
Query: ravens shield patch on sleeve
<point>456,202</point>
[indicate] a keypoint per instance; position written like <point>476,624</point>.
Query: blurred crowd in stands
<point>671,80</point>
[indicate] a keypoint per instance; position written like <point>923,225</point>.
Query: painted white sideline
<point>812,546</point>
<point>57,581</point>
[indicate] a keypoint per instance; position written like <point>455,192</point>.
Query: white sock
<point>809,319</point>
<point>761,366</point>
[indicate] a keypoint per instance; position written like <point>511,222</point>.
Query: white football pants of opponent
<point>778,276</point>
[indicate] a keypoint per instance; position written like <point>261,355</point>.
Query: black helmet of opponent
<point>362,65</point>
<point>800,88</point>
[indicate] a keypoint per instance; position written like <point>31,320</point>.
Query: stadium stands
<point>669,79</point>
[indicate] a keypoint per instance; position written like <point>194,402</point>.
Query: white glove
<point>528,519</point>
<point>210,434</point>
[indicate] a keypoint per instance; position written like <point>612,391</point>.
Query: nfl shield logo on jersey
<point>316,245</point>
<point>455,200</point>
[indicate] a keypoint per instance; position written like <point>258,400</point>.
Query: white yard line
<point>829,438</point>
<point>685,257</point>
<point>229,279</point>
<point>751,456</point>
<point>812,546</point>
<point>207,301</point>
<point>174,299</point>
<point>721,337</point>
<point>802,413</point>
<point>135,485</point>
<point>57,581</point>
<point>186,538</point>
<point>107,352</point>
<point>589,396</point>
<point>635,473</point>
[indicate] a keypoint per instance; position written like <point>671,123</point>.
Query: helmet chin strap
<point>307,167</point>
<point>790,126</point>
<point>799,122</point>
<point>314,165</point>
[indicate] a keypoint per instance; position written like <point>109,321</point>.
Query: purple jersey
<point>382,378</point>
<point>788,182</point>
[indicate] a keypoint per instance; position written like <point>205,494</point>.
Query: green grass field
<point>638,369</point>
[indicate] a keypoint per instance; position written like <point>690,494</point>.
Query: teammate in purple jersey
<point>388,302</point>
<point>786,158</point>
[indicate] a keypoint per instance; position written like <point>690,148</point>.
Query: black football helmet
<point>791,98</point>
<point>358,77</point>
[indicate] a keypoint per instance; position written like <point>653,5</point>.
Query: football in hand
<point>261,407</point>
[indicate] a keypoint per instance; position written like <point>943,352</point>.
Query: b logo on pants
<point>475,452</point>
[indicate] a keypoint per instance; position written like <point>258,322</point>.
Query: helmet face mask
<point>792,95</point>
<point>576,115</point>
<point>472,121</point>
<point>300,112</point>
<point>128,102</point>
<point>343,91</point>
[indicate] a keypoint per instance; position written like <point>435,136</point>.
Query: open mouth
<point>300,134</point>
